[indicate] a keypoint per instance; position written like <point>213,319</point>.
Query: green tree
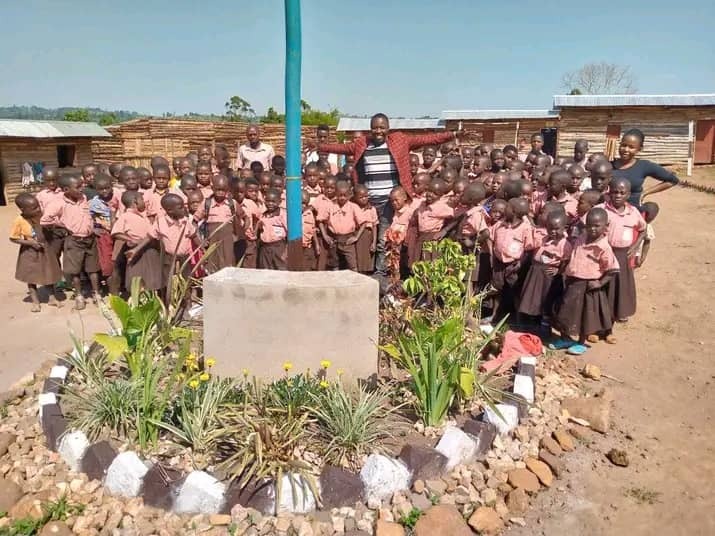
<point>238,109</point>
<point>108,118</point>
<point>575,91</point>
<point>80,114</point>
<point>305,106</point>
<point>273,117</point>
<point>318,117</point>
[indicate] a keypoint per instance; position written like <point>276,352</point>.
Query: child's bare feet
<point>79,303</point>
<point>593,339</point>
<point>96,298</point>
<point>610,339</point>
<point>35,308</point>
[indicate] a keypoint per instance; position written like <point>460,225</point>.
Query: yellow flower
<point>204,377</point>
<point>324,383</point>
<point>210,362</point>
<point>287,366</point>
<point>193,365</point>
<point>325,364</point>
<point>245,373</point>
<point>340,372</point>
<point>191,357</point>
<point>194,384</point>
<point>182,376</point>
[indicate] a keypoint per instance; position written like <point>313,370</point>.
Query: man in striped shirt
<point>382,161</point>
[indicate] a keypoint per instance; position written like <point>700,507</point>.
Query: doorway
<point>704,142</point>
<point>550,136</point>
<point>65,155</point>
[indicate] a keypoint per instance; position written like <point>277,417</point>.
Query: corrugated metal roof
<point>704,99</point>
<point>353,124</point>
<point>22,128</point>
<point>499,114</point>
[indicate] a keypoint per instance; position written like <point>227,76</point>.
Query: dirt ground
<point>665,405</point>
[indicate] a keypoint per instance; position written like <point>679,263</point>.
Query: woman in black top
<point>629,167</point>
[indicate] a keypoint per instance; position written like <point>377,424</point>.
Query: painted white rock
<point>524,386</point>
<point>200,494</point>
<point>59,372</point>
<point>296,495</point>
<point>125,475</point>
<point>507,422</point>
<point>72,447</point>
<point>383,477</point>
<point>457,446</point>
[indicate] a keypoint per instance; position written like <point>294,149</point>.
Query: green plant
<point>58,510</point>
<point>410,519</point>
<point>195,412</point>
<point>103,405</point>
<point>293,394</point>
<point>3,410</point>
<point>352,422</point>
<point>443,280</point>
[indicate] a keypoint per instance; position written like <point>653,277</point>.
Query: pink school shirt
<point>474,222</point>
<point>431,218</point>
<point>72,215</point>
<point>623,227</point>
<point>591,260</point>
<point>570,204</point>
<point>206,191</point>
<point>274,228</point>
<point>343,220</point>
<point>174,235</point>
<point>312,192</point>
<point>367,216</point>
<point>536,203</point>
<point>308,227</point>
<point>133,224</point>
<point>219,212</point>
<point>510,243</point>
<point>322,205</point>
<point>44,197</point>
<point>553,252</point>
<point>538,236</point>
<point>400,222</point>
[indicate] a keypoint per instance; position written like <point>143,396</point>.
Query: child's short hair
<point>278,159</point>
<point>170,200</point>
<point>256,167</point>
<point>24,199</point>
<point>453,161</point>
<point>188,180</point>
<point>251,182</point>
<point>161,167</point>
<point>102,180</point>
<point>591,196</point>
<point>650,211</point>
<point>130,197</point>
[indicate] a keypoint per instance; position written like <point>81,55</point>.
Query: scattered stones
<point>387,528</point>
<point>340,487</point>
<point>517,501</point>
<point>551,445</point>
<point>418,486</point>
<point>520,521</point>
<point>125,475</point>
<point>72,448</point>
<point>552,461</point>
<point>219,520</point>
<point>200,493</point>
<point>6,439</point>
<point>581,433</point>
<point>564,439</point>
<point>595,410</point>
<point>423,462</point>
<point>10,494</point>
<point>441,519</point>
<point>27,506</point>
<point>486,521</point>
<point>591,371</point>
<point>618,457</point>
<point>505,420</point>
<point>523,478</point>
<point>457,447</point>
<point>383,477</point>
<point>541,470</point>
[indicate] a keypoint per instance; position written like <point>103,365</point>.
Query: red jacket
<point>398,143</point>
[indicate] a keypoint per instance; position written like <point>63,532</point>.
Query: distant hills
<point>58,114</point>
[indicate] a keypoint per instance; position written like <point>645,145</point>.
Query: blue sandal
<point>577,349</point>
<point>561,344</point>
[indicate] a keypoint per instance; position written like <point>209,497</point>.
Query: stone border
<point>127,475</point>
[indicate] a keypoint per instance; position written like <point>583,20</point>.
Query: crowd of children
<point>556,239</point>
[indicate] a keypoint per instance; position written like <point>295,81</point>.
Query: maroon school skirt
<point>365,257</point>
<point>540,291</point>
<point>146,266</point>
<point>272,255</point>
<point>37,267</point>
<point>583,312</point>
<point>222,257</point>
<point>622,288</point>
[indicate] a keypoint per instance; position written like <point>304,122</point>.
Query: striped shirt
<point>380,171</point>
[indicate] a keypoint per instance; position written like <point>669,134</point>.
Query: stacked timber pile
<point>135,142</point>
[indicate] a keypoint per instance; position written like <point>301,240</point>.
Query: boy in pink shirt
<point>310,180</point>
<point>584,311</point>
<point>512,239</point>
<point>272,231</point>
<point>430,218</point>
<point>321,204</point>
<point>366,238</point>
<point>397,234</point>
<point>559,180</point>
<point>420,183</point>
<point>339,229</point>
<point>625,222</point>
<point>50,190</point>
<point>71,213</point>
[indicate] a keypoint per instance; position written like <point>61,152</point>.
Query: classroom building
<point>66,145</point>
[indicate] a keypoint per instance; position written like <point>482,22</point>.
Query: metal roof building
<point>495,115</point>
<point>24,128</point>
<point>362,124</point>
<point>592,101</point>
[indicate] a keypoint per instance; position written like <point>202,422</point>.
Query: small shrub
<point>410,519</point>
<point>103,405</point>
<point>293,394</point>
<point>353,422</point>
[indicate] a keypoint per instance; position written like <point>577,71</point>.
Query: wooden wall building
<point>136,141</point>
<point>66,145</point>
<point>676,127</point>
<point>505,127</point>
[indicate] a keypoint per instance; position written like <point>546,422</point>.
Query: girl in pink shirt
<point>321,205</point>
<point>50,191</point>
<point>543,285</point>
<point>512,239</point>
<point>473,233</point>
<point>624,224</point>
<point>272,232</point>
<point>223,217</point>
<point>132,227</point>
<point>203,177</point>
<point>396,235</point>
<point>430,218</point>
<point>366,238</point>
<point>558,182</point>
<point>584,311</point>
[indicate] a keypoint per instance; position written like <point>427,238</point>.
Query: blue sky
<point>406,58</point>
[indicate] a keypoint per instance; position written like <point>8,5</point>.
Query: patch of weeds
<point>434,499</point>
<point>410,520</point>
<point>3,410</point>
<point>232,528</point>
<point>58,510</point>
<point>643,495</point>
